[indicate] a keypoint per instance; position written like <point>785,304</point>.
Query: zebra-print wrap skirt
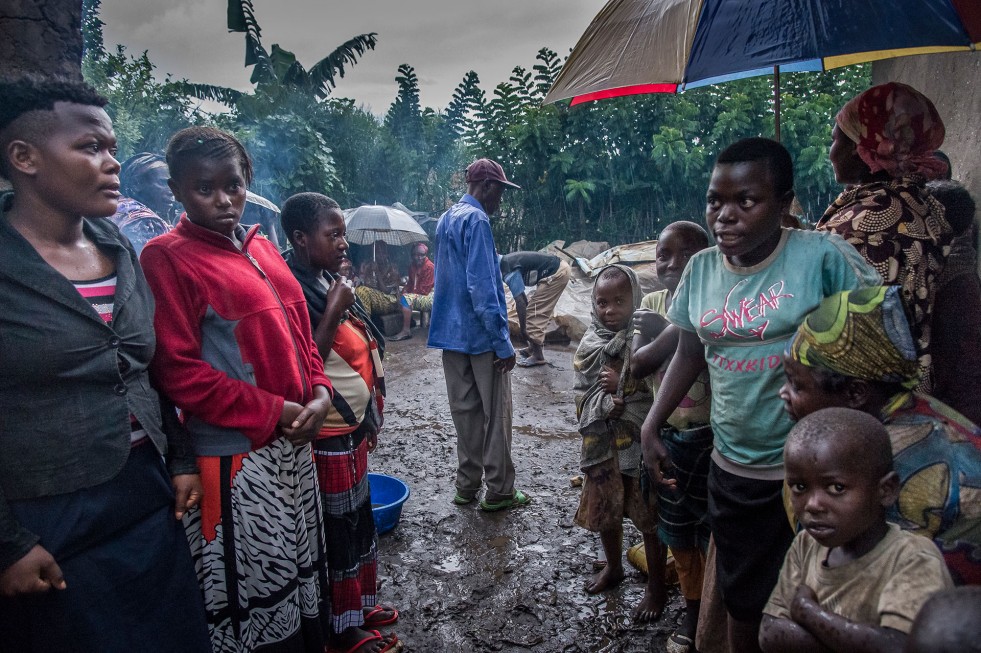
<point>258,546</point>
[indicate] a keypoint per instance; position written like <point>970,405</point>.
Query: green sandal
<point>461,500</point>
<point>519,499</point>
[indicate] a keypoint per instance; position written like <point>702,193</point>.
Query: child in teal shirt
<point>736,305</point>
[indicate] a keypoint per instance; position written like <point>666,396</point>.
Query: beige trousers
<point>480,403</point>
<point>542,302</point>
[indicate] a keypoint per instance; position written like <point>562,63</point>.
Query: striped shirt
<point>101,294</point>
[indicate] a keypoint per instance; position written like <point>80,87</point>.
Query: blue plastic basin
<point>387,496</point>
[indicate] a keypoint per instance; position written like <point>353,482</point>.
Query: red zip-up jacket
<point>233,335</point>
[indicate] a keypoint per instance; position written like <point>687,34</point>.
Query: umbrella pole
<point>776,103</point>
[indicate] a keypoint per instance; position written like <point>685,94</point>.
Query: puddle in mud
<point>464,580</point>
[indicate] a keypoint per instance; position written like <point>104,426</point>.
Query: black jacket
<point>69,381</point>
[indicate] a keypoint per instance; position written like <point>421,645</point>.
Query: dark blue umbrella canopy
<point>646,46</point>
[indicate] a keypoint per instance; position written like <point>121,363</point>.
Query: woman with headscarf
<point>856,351</point>
<point>883,147</point>
<point>146,202</point>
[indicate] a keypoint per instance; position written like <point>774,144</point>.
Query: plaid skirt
<point>683,510</point>
<point>352,555</point>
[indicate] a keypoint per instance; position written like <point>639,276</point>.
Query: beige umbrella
<point>630,43</point>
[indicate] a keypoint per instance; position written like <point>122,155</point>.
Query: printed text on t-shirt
<point>747,317</point>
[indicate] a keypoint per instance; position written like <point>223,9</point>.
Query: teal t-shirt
<point>744,317</point>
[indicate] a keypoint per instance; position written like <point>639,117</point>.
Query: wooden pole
<point>776,102</point>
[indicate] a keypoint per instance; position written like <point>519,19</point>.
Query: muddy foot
<point>651,606</point>
<point>605,579</point>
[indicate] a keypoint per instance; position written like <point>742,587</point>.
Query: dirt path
<point>465,580</point>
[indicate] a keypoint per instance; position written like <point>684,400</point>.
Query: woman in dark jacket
<point>92,553</point>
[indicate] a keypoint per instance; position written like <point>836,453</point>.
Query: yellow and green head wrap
<point>863,334</point>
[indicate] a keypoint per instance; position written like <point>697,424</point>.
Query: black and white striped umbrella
<point>372,222</point>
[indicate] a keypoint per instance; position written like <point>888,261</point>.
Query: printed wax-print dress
<point>258,545</point>
<point>900,229</point>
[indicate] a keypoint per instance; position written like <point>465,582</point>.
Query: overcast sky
<point>441,39</point>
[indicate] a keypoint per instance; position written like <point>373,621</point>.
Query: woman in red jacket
<point>235,353</point>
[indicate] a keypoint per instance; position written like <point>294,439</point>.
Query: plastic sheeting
<point>572,312</point>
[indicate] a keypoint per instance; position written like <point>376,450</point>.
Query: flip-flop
<point>395,646</point>
<point>519,499</point>
<point>528,362</point>
<point>397,338</point>
<point>375,636</point>
<point>372,620</point>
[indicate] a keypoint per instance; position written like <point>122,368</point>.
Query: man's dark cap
<point>482,169</point>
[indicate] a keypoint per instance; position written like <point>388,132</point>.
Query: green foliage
<point>144,112</point>
<point>617,170</point>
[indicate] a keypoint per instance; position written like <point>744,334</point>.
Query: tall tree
<point>41,37</point>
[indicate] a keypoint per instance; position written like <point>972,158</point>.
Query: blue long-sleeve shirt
<point>469,313</point>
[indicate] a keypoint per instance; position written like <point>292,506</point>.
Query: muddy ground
<point>465,580</point>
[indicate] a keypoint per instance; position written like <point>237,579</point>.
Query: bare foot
<point>651,606</point>
<point>351,636</point>
<point>605,579</point>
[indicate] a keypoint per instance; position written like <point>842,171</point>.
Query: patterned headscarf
<point>896,128</point>
<point>859,333</point>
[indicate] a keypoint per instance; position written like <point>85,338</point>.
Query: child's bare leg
<point>656,594</point>
<point>611,575</point>
<point>690,563</point>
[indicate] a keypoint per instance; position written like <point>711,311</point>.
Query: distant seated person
<point>550,275</point>
<point>347,271</point>
<point>851,580</point>
<point>418,292</point>
<point>147,203</point>
<point>379,289</point>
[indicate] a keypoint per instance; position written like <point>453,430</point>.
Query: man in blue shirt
<point>469,323</point>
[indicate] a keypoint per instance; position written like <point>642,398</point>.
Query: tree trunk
<point>42,37</point>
